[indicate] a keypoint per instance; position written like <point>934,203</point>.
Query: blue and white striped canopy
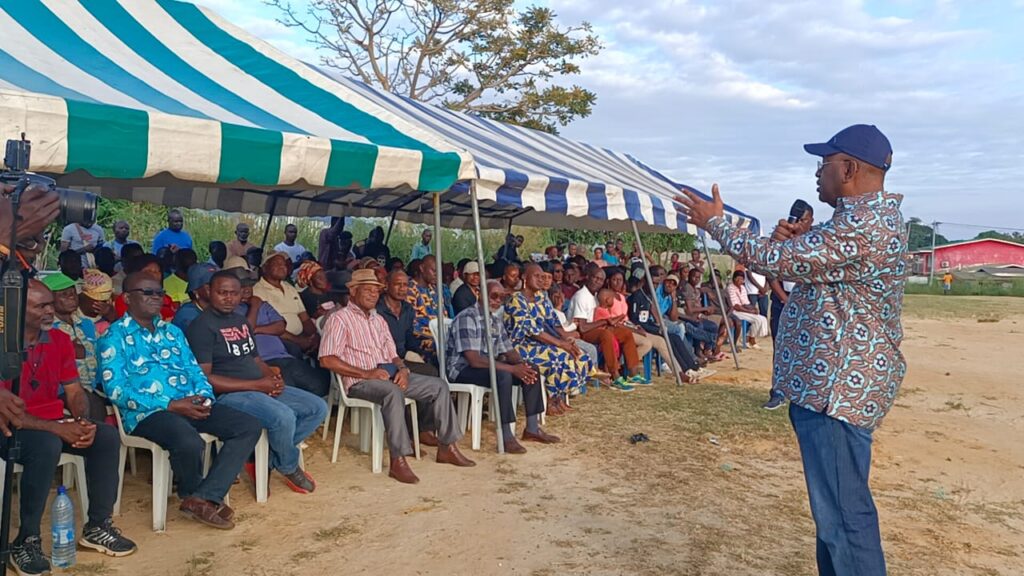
<point>553,181</point>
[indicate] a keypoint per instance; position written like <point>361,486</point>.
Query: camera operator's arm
<point>12,411</point>
<point>39,207</point>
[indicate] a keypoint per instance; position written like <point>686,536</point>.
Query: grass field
<point>984,308</point>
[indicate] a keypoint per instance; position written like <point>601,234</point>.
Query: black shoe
<point>27,558</point>
<point>775,402</point>
<point>300,481</point>
<point>106,539</point>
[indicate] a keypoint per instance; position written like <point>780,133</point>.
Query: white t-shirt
<point>293,252</point>
<point>78,236</point>
<point>567,326</point>
<point>583,305</point>
<point>751,289</point>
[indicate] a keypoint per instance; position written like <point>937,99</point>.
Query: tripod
<point>13,291</point>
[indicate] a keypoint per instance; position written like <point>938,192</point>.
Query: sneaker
<point>775,402</point>
<point>638,380</point>
<point>300,481</point>
<point>706,373</point>
<point>28,559</point>
<point>621,385</point>
<point>665,367</point>
<point>692,376</point>
<point>756,346</point>
<point>107,539</point>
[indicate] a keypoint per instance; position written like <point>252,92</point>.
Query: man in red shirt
<point>358,346</point>
<point>48,372</point>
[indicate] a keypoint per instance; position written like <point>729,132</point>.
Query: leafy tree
<point>480,56</point>
<point>920,236</point>
<point>1017,237</point>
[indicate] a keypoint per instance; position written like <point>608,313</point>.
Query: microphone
<point>797,211</point>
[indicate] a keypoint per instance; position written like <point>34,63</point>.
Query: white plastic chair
<point>71,479</point>
<point>161,469</point>
<point>371,431</point>
<point>470,398</point>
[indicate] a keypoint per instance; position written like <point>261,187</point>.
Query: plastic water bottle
<point>62,521</point>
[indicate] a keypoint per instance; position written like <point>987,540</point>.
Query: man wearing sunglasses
<point>150,374</point>
<point>837,357</point>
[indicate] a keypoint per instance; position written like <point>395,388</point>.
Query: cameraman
<point>39,207</point>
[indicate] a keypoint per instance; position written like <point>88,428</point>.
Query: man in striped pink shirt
<point>357,345</point>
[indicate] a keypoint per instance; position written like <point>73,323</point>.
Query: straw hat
<point>363,278</point>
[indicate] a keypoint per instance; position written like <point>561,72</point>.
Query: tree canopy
<point>485,57</point>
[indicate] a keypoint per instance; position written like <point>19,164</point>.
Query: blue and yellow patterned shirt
<point>837,350</point>
<point>142,371</point>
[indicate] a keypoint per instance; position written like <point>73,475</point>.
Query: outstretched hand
<point>698,211</point>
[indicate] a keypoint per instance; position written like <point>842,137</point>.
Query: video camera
<point>76,206</point>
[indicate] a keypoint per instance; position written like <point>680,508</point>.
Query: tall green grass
<point>971,288</point>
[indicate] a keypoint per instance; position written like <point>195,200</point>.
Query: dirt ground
<point>717,490</point>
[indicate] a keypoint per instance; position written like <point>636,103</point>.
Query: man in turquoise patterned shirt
<point>150,374</point>
<point>837,357</point>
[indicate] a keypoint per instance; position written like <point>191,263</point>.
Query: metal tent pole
<point>439,338</point>
<point>387,237</point>
<point>725,313</point>
<point>270,220</point>
<point>676,369</point>
<point>485,300</point>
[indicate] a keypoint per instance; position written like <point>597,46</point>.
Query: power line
<point>978,226</point>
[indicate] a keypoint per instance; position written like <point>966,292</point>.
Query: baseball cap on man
<point>864,142</point>
<point>472,267</point>
<point>199,275</point>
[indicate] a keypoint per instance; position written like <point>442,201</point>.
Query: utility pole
<point>931,267</point>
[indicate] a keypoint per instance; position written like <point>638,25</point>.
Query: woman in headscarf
<point>311,280</point>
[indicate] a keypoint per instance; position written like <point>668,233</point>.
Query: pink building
<point>960,255</point>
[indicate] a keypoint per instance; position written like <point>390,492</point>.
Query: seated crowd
<point>248,343</point>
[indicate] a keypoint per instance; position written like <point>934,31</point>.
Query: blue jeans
<point>288,419</point>
<point>674,328</point>
<point>837,461</point>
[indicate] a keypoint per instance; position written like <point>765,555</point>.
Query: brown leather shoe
<point>428,438</point>
<point>541,436</point>
<point>450,455</point>
<point>205,512</point>
<point>226,512</point>
<point>400,471</point>
<point>512,446</point>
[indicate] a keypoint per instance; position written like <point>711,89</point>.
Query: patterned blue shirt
<point>837,349</point>
<point>143,372</point>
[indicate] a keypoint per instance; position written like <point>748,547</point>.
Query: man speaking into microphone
<point>837,357</point>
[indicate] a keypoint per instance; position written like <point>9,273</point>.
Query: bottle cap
<point>61,490</point>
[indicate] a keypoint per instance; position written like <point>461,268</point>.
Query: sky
<point>728,91</point>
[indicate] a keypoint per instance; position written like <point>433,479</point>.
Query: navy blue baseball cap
<point>862,141</point>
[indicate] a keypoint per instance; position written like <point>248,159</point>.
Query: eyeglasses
<point>823,164</point>
<point>149,292</point>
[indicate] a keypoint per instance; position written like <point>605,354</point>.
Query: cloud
<point>729,90</point>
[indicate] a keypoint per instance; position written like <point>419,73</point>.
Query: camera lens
<point>76,206</point>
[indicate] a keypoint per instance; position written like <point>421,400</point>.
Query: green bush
<point>205,226</point>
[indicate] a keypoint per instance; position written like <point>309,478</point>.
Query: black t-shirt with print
<point>226,341</point>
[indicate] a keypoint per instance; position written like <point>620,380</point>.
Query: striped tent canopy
<point>163,101</point>
<point>541,179</point>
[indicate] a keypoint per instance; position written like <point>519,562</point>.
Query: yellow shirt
<point>176,288</point>
<point>285,300</point>
<point>947,279</point>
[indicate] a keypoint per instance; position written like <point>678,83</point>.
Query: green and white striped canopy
<point>164,101</point>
